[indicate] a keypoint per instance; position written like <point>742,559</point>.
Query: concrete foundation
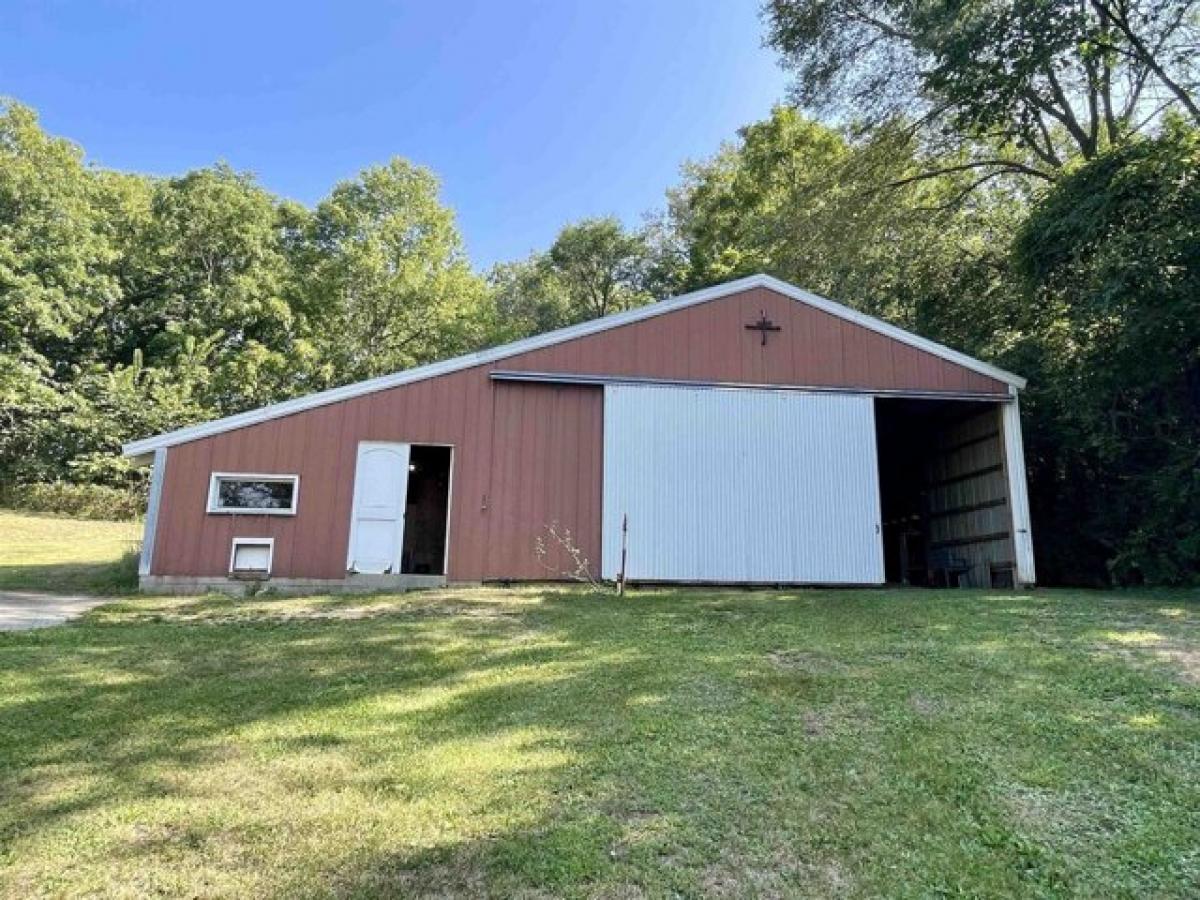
<point>352,584</point>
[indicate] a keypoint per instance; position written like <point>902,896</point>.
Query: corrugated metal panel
<point>968,499</point>
<point>710,343</point>
<point>741,486</point>
<point>545,472</point>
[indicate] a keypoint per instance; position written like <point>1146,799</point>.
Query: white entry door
<point>738,485</point>
<point>377,518</point>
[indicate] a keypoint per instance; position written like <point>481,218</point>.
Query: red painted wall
<point>525,455</point>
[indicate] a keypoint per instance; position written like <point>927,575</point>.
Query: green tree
<point>52,251</point>
<point>205,266</point>
<point>85,423</point>
<point>593,268</point>
<point>526,298</point>
<point>800,200</point>
<point>100,270</point>
<point>385,280</point>
<point>1035,81</point>
<point>53,261</point>
<point>601,267</point>
<point>1111,260</point>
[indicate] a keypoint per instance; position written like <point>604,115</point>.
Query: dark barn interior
<point>426,509</point>
<point>943,493</point>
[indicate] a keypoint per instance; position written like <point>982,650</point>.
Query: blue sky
<point>533,114</point>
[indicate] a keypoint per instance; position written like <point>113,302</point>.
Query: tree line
<point>1020,181</point>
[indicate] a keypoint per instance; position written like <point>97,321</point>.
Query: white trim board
<point>268,542</point>
<point>212,509</point>
<point>150,530</point>
<point>605,380</point>
<point>1018,492</point>
<point>148,445</point>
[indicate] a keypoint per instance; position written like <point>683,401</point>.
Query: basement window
<point>271,495</point>
<point>251,557</point>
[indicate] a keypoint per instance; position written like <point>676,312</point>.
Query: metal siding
<point>971,445</point>
<point>541,471</point>
<point>534,461</point>
<point>741,486</point>
<point>710,343</point>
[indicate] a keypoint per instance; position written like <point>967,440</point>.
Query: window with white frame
<point>273,495</point>
<point>251,557</point>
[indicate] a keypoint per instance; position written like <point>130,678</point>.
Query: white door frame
<point>449,508</point>
<point>363,447</point>
<point>1018,491</point>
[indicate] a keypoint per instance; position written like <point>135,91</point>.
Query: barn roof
<point>146,446</point>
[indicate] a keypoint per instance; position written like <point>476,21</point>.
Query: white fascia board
<point>147,446</point>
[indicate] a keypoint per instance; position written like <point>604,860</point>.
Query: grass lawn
<point>539,743</point>
<point>48,553</point>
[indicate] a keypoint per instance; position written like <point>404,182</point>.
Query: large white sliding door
<point>736,485</point>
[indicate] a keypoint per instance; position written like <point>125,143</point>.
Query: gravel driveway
<point>21,610</point>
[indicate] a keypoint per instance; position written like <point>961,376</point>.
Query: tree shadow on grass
<point>721,743</point>
<point>122,709</point>
<point>929,716</point>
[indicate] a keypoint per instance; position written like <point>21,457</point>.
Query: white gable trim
<point>147,446</point>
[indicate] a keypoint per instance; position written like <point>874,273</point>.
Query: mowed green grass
<point>60,555</point>
<point>541,742</point>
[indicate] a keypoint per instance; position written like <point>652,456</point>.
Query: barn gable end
<point>710,343</point>
<point>843,346</point>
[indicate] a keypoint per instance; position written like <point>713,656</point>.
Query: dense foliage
<point>1022,185</point>
<point>1111,259</point>
<point>133,304</point>
<point>593,268</point>
<point>1042,81</point>
<point>806,203</point>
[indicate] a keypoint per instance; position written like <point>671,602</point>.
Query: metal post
<point>624,546</point>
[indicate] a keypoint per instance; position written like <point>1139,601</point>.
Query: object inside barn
<point>426,507</point>
<point>944,493</point>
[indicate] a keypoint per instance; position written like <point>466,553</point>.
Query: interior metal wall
<point>969,516</point>
<point>741,486</point>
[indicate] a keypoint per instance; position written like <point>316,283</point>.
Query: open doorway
<point>944,493</point>
<point>426,508</point>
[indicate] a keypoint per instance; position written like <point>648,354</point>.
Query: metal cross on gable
<point>763,325</point>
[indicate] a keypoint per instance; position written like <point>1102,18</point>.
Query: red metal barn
<point>747,433</point>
